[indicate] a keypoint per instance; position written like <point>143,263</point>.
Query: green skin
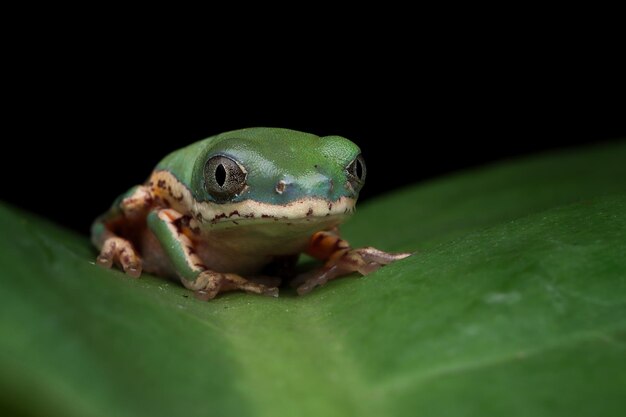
<point>249,229</point>
<point>269,155</point>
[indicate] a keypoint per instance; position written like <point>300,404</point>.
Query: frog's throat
<point>166,188</point>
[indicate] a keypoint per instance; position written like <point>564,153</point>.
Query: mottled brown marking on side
<point>170,191</point>
<point>161,184</point>
<point>234,213</point>
<point>182,229</point>
<point>184,225</point>
<point>310,212</point>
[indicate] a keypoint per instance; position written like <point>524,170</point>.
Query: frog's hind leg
<point>179,248</point>
<point>341,260</point>
<point>114,249</point>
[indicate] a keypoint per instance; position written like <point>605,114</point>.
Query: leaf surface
<point>514,304</point>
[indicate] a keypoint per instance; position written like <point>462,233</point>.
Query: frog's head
<point>275,174</point>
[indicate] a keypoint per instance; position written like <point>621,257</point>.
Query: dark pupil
<point>358,169</point>
<point>220,175</point>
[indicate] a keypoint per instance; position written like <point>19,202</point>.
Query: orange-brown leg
<point>121,252</point>
<point>340,260</point>
<point>115,249</point>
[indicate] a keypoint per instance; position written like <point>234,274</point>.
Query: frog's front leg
<point>179,248</point>
<point>115,249</point>
<point>340,259</point>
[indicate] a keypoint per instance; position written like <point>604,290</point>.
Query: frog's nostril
<point>280,186</point>
<point>307,185</point>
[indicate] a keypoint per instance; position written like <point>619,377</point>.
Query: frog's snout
<point>313,185</point>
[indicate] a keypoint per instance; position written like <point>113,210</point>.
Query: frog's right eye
<point>356,173</point>
<point>224,178</point>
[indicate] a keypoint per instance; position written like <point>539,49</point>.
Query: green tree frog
<point>234,211</point>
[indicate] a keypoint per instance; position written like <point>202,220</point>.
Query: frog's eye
<point>224,178</point>
<point>356,173</point>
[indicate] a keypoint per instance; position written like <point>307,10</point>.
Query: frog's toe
<point>105,260</point>
<point>133,269</point>
<point>363,260</point>
<point>210,283</point>
<point>367,260</point>
<point>236,282</point>
<point>120,251</point>
<point>266,280</point>
<point>306,282</point>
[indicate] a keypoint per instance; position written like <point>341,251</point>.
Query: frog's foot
<point>343,262</point>
<point>120,251</point>
<point>209,283</point>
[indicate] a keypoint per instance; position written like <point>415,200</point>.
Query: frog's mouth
<point>304,210</point>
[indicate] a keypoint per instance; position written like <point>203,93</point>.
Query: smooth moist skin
<point>234,211</point>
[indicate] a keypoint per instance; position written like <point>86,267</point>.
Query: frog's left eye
<point>356,173</point>
<point>224,178</point>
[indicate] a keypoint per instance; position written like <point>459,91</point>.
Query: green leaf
<point>514,304</point>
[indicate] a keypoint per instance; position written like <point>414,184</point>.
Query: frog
<point>236,210</point>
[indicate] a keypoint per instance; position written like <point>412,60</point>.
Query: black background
<point>76,137</point>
